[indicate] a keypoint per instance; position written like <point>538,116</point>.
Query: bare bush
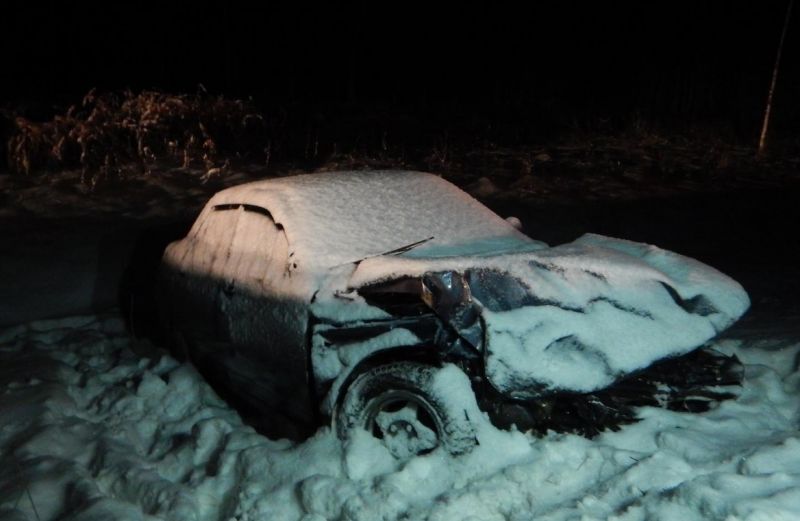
<point>111,133</point>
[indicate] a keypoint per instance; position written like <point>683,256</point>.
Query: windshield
<point>476,247</point>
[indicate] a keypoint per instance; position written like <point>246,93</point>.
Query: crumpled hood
<point>585,313</point>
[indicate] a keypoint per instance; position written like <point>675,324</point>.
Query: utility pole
<point>763,139</point>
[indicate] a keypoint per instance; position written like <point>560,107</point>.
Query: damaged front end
<point>690,383</point>
<point>440,317</point>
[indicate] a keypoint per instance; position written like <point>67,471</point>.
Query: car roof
<point>333,218</point>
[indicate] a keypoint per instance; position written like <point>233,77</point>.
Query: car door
<point>263,315</point>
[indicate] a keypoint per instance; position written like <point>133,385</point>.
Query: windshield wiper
<point>407,247</point>
<point>396,251</point>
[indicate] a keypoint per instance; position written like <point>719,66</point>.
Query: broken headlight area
<point>399,297</point>
<point>444,294</point>
<point>449,296</point>
<point>456,299</point>
<point>693,383</point>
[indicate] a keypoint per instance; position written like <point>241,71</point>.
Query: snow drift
<point>92,430</point>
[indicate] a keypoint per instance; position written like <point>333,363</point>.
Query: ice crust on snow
<point>91,430</point>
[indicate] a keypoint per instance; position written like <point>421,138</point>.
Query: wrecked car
<point>340,297</point>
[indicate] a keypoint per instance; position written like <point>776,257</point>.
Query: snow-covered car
<point>344,296</point>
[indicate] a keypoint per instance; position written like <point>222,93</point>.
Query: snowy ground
<point>97,427</point>
<point>94,425</point>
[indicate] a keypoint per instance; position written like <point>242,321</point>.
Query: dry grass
<point>114,135</point>
<point>111,134</point>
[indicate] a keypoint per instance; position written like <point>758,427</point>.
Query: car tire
<point>396,404</point>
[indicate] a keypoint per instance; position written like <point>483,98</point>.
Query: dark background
<point>534,70</point>
<point>427,76</point>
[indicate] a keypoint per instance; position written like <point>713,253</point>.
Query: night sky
<point>676,63</point>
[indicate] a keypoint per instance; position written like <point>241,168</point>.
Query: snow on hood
<point>593,310</point>
<point>337,217</point>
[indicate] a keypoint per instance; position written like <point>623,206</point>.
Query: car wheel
<point>396,404</point>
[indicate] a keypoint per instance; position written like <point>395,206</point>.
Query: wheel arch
<point>389,378</point>
<point>423,354</point>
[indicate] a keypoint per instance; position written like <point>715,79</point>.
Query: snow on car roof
<point>337,217</point>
